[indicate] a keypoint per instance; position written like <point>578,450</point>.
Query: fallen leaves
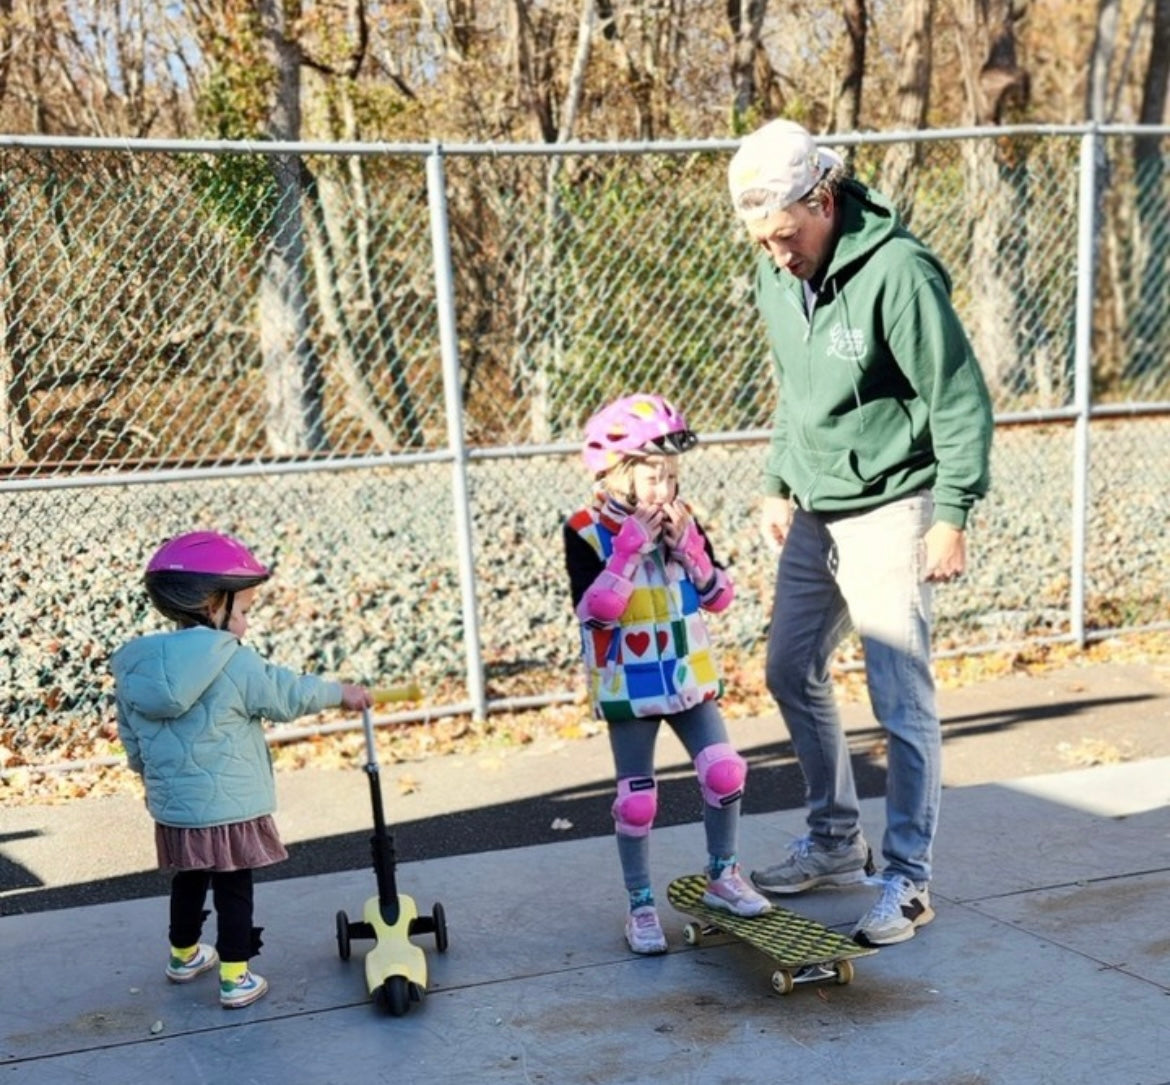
<point>406,743</point>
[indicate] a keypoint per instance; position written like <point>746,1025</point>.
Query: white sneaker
<point>644,932</point>
<point>730,893</point>
<point>243,992</point>
<point>202,960</point>
<point>900,910</point>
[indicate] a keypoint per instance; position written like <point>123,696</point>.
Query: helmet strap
<point>228,605</point>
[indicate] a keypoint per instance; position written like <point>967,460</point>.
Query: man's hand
<point>946,553</point>
<point>775,521</point>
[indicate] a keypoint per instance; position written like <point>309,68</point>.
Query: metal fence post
<point>453,400</point>
<point>1087,197</point>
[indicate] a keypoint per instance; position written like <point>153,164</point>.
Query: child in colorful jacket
<point>641,572</point>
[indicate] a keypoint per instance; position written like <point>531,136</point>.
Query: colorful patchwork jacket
<point>656,660</point>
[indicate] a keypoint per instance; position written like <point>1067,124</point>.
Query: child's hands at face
<point>652,518</point>
<point>675,519</point>
<point>355,698</point>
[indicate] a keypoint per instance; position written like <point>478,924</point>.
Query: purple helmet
<point>640,424</point>
<point>189,570</point>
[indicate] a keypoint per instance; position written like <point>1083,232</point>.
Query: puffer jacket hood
<point>162,675</point>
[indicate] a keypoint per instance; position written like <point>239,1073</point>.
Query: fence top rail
<point>439,148</point>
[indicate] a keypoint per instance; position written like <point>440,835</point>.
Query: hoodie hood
<point>868,220</point>
<point>162,675</point>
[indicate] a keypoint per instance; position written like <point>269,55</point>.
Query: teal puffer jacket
<point>191,705</point>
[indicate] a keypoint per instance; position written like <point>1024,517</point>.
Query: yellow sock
<point>185,955</point>
<point>232,971</point>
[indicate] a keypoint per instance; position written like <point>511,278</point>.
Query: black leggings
<point>231,892</point>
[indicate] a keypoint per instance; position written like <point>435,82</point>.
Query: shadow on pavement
<point>775,783</point>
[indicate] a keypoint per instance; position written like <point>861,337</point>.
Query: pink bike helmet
<point>189,568</point>
<point>207,552</point>
<point>641,424</point>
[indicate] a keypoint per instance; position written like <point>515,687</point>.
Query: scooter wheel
<point>439,918</point>
<point>396,995</point>
<point>343,936</point>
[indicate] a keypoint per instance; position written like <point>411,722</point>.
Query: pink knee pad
<point>635,805</point>
<point>721,773</point>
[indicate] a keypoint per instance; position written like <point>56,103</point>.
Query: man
<point>880,447</point>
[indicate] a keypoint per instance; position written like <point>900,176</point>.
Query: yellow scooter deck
<point>393,954</point>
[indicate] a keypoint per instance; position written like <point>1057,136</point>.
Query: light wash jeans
<point>864,569</point>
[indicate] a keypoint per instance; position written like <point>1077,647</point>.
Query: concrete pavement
<point>1049,960</point>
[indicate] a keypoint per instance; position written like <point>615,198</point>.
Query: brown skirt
<point>242,845</point>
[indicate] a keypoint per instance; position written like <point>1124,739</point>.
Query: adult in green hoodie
<point>880,448</point>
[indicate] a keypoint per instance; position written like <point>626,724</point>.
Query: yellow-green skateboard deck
<point>804,950</point>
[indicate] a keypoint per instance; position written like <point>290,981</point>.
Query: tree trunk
<point>998,234</point>
<point>14,408</point>
<point>1101,60</point>
<point>295,420</point>
<point>900,164</point>
<point>1151,273</point>
<point>847,115</point>
<point>746,18</point>
<point>548,353</point>
<point>13,394</point>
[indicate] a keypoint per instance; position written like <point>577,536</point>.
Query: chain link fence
<point>373,363</point>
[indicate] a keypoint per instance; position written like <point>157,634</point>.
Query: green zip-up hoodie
<point>880,393</point>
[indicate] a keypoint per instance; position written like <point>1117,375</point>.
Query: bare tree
<point>754,87</point>
<point>547,363</point>
<point>340,221</point>
<point>296,419</point>
<point>13,384</point>
<point>994,83</point>
<point>900,165</point>
<point>1101,60</point>
<point>645,40</point>
<point>1151,274</point>
<point>847,115</point>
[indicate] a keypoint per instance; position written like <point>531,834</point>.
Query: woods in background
<point>559,70</point>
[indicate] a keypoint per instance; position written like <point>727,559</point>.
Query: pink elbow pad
<point>605,600</point>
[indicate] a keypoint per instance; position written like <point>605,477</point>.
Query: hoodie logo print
<point>847,343</point>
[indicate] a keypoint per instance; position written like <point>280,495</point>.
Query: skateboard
<point>804,950</point>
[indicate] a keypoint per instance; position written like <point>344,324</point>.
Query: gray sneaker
<point>810,866</point>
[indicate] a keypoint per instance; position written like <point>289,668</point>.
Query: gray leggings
<point>632,743</point>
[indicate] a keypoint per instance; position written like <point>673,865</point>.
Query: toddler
<point>191,705</point>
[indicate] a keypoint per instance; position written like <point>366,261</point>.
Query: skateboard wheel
<point>843,970</point>
<point>692,934</point>
<point>782,982</point>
